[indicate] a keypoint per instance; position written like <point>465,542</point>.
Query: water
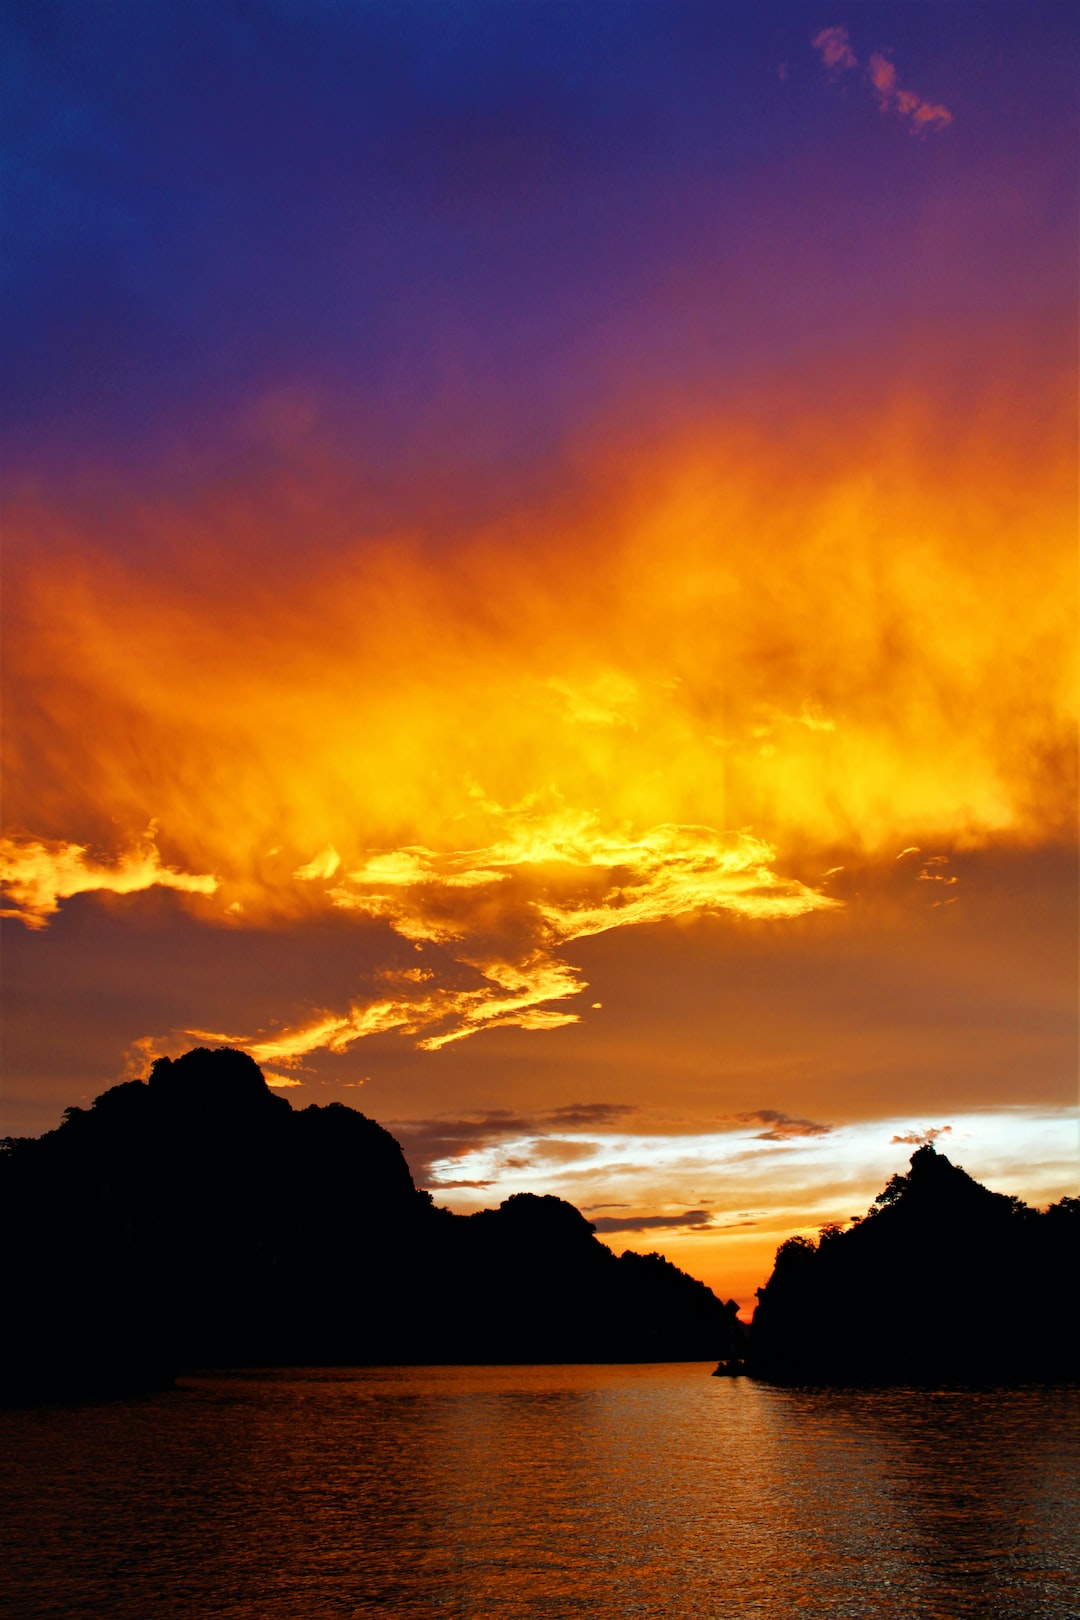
<point>498,1493</point>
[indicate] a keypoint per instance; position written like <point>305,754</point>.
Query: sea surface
<point>498,1492</point>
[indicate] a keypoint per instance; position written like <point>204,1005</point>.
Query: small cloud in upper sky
<point>838,57</point>
<point>780,1127</point>
<point>891,98</point>
<point>835,48</point>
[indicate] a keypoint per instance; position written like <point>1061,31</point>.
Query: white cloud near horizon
<point>796,1182</point>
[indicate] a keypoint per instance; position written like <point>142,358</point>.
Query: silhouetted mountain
<point>943,1281</point>
<point>198,1219</point>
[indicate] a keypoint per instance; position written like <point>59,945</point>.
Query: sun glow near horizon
<point>718,1200</point>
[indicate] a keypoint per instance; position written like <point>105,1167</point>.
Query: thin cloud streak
<point>652,1223</point>
<point>603,881</point>
<point>445,1140</point>
<point>780,1127</point>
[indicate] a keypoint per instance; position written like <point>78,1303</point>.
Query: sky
<point>540,587</point>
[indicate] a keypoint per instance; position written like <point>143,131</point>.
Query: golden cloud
<point>38,873</point>
<point>650,703</point>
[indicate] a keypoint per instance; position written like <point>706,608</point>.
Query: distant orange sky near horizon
<point>673,808</point>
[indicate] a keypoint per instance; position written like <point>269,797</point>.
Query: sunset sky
<point>540,587</point>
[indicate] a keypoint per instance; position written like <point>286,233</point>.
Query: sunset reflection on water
<point>521,1491</point>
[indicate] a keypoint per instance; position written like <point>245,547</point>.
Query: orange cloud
<point>921,1138</point>
<point>835,48</point>
<point>924,115</point>
<point>573,880</point>
<point>322,865</point>
<point>680,693</point>
<point>38,873</point>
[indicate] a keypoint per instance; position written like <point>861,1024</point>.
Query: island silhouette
<point>943,1281</point>
<point>198,1220</point>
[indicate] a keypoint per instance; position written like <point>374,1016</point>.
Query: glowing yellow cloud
<point>731,655</point>
<point>37,874</point>
<point>322,865</point>
<point>508,993</point>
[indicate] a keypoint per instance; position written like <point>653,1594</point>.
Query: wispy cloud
<point>607,700</point>
<point>322,865</point>
<point>446,1141</point>
<point>526,1151</point>
<point>503,913</point>
<point>472,1186</point>
<point>38,873</point>
<point>600,733</point>
<point>780,1127</point>
<point>650,1223</point>
<point>928,874</point>
<point>921,1138</point>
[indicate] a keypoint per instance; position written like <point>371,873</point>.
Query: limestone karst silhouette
<point>943,1281</point>
<point>197,1219</point>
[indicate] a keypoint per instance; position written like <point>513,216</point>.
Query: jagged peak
<point>933,1178</point>
<point>222,1076</point>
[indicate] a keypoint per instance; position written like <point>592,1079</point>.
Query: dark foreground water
<point>604,1492</point>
